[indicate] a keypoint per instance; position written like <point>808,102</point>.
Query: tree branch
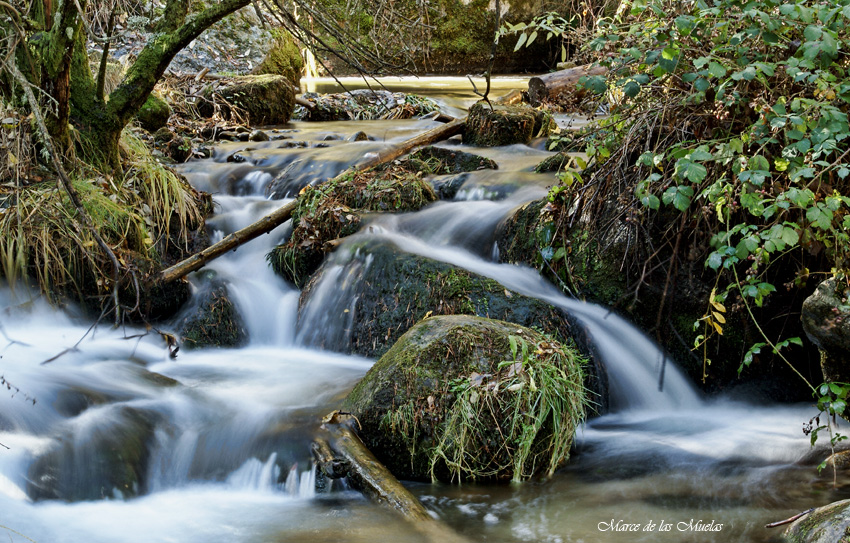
<point>125,101</point>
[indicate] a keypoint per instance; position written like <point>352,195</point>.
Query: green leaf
<point>520,41</point>
<point>631,88</point>
<point>531,38</point>
<point>812,32</point>
<point>716,69</point>
<point>595,84</point>
<point>790,236</point>
<point>651,201</point>
<point>715,260</point>
<point>701,153</point>
<point>701,84</point>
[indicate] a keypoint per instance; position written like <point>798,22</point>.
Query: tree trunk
<point>550,87</point>
<point>55,59</point>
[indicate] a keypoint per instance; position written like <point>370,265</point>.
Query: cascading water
<point>118,442</point>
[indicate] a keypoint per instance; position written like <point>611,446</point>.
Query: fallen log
<point>232,241</point>
<point>426,138</point>
<point>281,215</point>
<point>341,453</point>
<point>549,87</point>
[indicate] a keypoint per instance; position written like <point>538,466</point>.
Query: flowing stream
<point>105,438</point>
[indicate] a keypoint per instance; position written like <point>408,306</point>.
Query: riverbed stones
<point>494,125</point>
<point>827,524</point>
<point>441,403</point>
<point>826,320</point>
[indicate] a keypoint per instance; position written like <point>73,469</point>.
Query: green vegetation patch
<point>283,58</point>
<point>146,215</point>
<point>466,398</point>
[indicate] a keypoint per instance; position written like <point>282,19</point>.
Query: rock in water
<point>827,524</point>
<point>492,126</point>
<point>461,397</point>
<point>826,320</point>
<point>212,321</point>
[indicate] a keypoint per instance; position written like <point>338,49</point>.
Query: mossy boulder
<point>826,320</point>
<point>827,524</point>
<point>492,126</point>
<point>264,99</point>
<point>444,161</point>
<point>370,293</point>
<point>154,113</point>
<point>460,397</point>
<point>333,210</point>
<point>111,462</point>
<point>212,320</point>
<point>283,58</point>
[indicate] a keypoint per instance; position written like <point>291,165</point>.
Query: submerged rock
<point>827,524</point>
<point>443,161</point>
<point>108,458</point>
<point>460,397</point>
<point>332,210</point>
<point>212,321</point>
<point>492,126</point>
<point>826,320</point>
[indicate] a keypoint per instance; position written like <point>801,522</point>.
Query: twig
<point>790,519</point>
<point>101,72</point>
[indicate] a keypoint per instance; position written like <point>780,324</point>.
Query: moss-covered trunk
<point>54,58</point>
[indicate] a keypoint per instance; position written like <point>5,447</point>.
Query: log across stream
<point>115,441</point>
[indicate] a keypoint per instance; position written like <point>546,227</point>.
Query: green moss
<point>827,524</point>
<point>443,403</point>
<point>283,58</point>
<point>331,211</point>
<point>154,113</point>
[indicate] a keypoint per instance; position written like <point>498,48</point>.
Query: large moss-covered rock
<point>827,524</point>
<point>461,397</point>
<point>265,99</point>
<point>386,291</point>
<point>492,126</point>
<point>154,113</point>
<point>111,461</point>
<point>212,320</point>
<point>826,320</point>
<point>332,210</point>
<point>282,58</point>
